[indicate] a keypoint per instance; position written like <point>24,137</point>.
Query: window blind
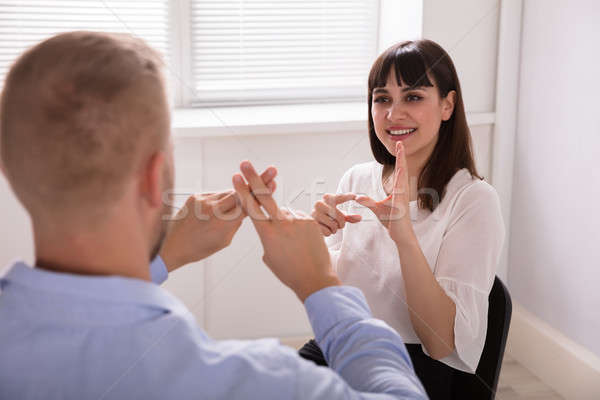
<point>245,51</point>
<point>26,22</point>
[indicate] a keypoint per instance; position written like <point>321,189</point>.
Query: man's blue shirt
<point>67,336</point>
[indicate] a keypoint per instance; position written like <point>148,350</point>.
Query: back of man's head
<point>78,115</point>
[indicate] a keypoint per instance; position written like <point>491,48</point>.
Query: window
<point>281,50</point>
<point>223,51</point>
<point>24,23</point>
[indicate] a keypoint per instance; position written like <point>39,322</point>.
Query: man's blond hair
<point>78,114</point>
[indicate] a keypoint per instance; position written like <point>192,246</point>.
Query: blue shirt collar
<point>112,289</point>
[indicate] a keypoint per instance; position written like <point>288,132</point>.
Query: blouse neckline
<point>378,184</point>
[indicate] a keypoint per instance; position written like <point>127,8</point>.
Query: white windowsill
<point>281,120</point>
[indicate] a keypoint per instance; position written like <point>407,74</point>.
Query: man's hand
<point>205,225</point>
<point>294,248</point>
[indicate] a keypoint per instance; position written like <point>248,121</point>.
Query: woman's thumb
<point>353,218</point>
<point>367,202</point>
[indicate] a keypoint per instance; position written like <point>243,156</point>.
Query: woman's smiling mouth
<point>400,133</point>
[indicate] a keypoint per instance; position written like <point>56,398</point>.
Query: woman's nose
<point>396,111</point>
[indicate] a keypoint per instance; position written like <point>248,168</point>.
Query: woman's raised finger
<point>400,180</point>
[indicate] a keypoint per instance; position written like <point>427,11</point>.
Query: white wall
<point>554,267</point>
<point>468,31</point>
<point>15,233</point>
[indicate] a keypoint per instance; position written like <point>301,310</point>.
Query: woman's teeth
<point>402,132</point>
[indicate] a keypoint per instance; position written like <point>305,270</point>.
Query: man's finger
<point>227,202</point>
<point>237,214</point>
<point>268,176</point>
<point>302,215</point>
<point>249,203</point>
<point>220,195</point>
<point>260,190</point>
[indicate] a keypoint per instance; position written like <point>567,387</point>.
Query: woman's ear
<point>151,185</point>
<point>448,105</point>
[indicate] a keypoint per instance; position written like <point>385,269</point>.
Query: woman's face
<point>410,114</point>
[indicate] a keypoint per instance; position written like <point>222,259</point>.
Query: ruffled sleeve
<point>466,267</point>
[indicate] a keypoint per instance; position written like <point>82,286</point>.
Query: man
<point>85,145</point>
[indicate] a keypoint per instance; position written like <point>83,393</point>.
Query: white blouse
<point>461,241</point>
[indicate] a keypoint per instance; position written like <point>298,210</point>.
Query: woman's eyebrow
<point>404,89</point>
<point>408,88</point>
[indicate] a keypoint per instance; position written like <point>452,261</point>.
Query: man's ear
<point>448,105</point>
<point>151,185</point>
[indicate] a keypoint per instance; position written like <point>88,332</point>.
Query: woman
<point>427,262</point>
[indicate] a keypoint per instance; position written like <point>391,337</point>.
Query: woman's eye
<point>413,97</point>
<point>380,99</point>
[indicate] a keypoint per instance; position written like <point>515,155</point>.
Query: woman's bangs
<point>408,64</point>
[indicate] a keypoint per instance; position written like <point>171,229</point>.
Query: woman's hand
<point>393,212</point>
<point>329,217</point>
<point>431,311</point>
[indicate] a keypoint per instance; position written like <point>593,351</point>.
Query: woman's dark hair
<point>415,63</point>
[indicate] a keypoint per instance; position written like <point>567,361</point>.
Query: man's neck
<point>100,252</point>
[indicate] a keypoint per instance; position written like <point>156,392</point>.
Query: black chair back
<point>438,377</point>
<point>484,383</point>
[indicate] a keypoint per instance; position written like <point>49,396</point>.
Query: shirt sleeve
<point>466,267</point>
<point>158,270</point>
<point>368,359</point>
<point>366,353</point>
